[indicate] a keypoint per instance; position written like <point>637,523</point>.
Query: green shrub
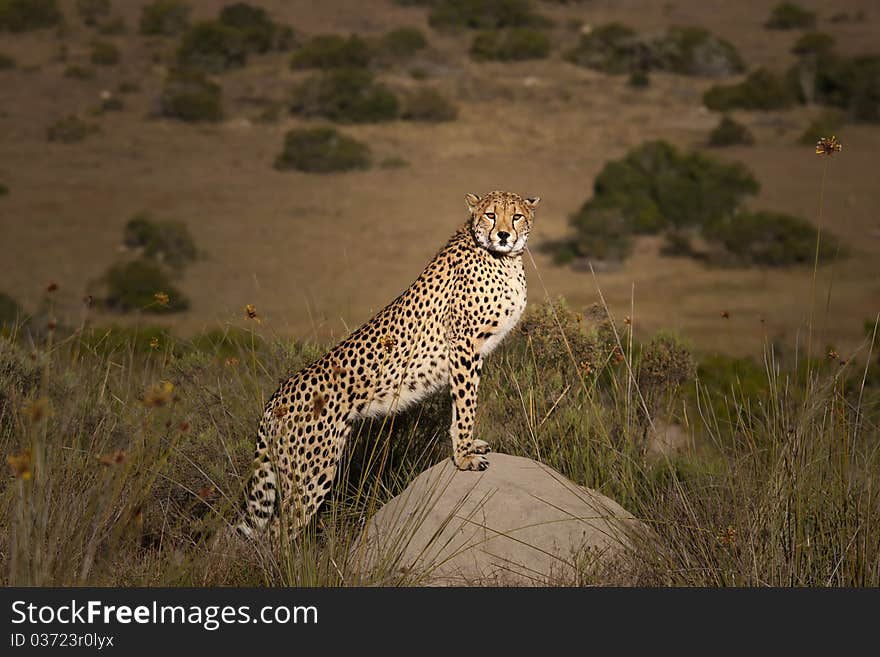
<point>616,48</point>
<point>393,163</point>
<point>770,239</point>
<point>4,190</point>
<point>403,42</point>
<point>517,43</point>
<point>79,72</point>
<point>134,286</point>
<point>789,16</point>
<point>653,189</point>
<point>104,53</point>
<point>600,233</point>
<point>26,15</point>
<point>346,96</point>
<point>852,84</point>
<point>322,150</point>
<point>70,129</point>
<point>190,96</point>
<point>694,51</point>
<point>427,104</point>
<point>258,31</point>
<point>730,133</point>
<point>167,241</point>
<point>6,62</point>
<point>828,123</point>
<point>128,87</point>
<point>93,11</point>
<point>330,51</point>
<point>112,26</point>
<point>111,104</point>
<point>639,79</point>
<point>212,47</point>
<point>485,14</point>
<point>813,43</point>
<point>164,17</point>
<point>762,89</point>
<point>610,48</point>
<point>10,310</point>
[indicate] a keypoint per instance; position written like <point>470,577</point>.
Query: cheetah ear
<point>533,201</point>
<point>471,200</point>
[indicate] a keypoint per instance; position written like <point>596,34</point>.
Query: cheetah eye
<point>517,217</point>
<point>490,215</point>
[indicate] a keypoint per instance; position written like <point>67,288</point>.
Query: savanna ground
<point>139,441</point>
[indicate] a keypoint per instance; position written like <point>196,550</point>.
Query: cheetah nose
<point>503,235</point>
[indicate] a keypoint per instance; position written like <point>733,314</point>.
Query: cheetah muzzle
<point>436,333</point>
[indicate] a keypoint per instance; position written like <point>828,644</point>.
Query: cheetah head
<point>501,221</point>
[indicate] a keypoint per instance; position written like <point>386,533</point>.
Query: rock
<point>518,523</point>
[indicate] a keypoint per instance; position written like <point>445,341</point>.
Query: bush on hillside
<point>93,12</point>
<point>169,242</point>
<point>259,33</point>
<point>190,96</point>
<point>616,48</point>
<point>331,51</point>
<point>770,239</point>
<point>212,47</point>
<point>104,53</point>
<point>345,96</point>
<point>426,104</point>
<point>639,80</point>
<point>512,44</point>
<point>402,43</point>
<point>761,90</point>
<point>813,43</point>
<point>78,72</point>
<point>695,51</point>
<point>138,285</point>
<point>611,48</point>
<point>164,17</point>
<point>322,150</point>
<point>828,123</point>
<point>485,14</point>
<point>852,84</point>
<point>653,189</point>
<point>70,130</point>
<point>729,132</point>
<point>27,15</point>
<point>790,16</point>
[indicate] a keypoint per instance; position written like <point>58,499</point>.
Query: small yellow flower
<point>21,464</point>
<point>586,366</point>
<point>154,343</point>
<point>828,146</point>
<point>37,410</point>
<point>158,394</point>
<point>833,355</point>
<point>232,361</point>
<point>250,312</point>
<point>627,320</point>
<point>162,298</point>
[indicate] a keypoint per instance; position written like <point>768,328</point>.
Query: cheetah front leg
<point>464,374</point>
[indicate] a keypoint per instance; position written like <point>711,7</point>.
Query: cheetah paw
<point>481,447</point>
<point>471,461</point>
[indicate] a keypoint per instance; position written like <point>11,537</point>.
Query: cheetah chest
<point>512,307</point>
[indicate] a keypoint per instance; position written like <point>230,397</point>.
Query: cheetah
<point>436,333</point>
